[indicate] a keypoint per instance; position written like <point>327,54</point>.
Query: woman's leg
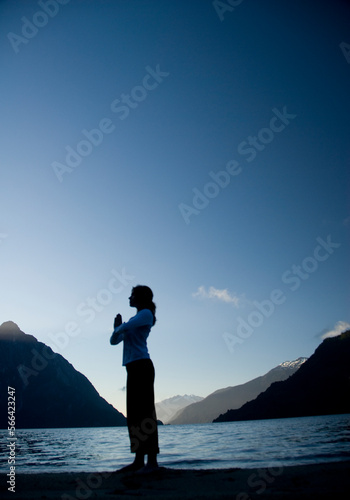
<point>132,417</point>
<point>141,415</point>
<point>149,423</point>
<point>152,460</point>
<point>149,419</point>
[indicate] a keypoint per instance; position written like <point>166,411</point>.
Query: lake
<point>249,444</point>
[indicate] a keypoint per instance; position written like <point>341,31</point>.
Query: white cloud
<point>215,293</point>
<point>339,327</point>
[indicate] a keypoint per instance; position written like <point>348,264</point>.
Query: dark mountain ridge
<point>321,386</point>
<point>49,391</point>
<point>233,397</point>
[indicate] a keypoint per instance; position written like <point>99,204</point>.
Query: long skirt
<point>141,413</point>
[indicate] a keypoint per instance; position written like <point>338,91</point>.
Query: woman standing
<point>141,414</point>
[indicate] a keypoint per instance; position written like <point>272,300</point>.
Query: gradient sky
<point>158,97</point>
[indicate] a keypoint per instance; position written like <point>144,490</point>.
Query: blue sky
<point>200,149</point>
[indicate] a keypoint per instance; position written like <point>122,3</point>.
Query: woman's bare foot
<point>148,469</point>
<point>135,466</point>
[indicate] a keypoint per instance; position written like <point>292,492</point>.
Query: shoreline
<point>305,482</point>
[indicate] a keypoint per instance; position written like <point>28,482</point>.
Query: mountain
<point>321,386</point>
<point>49,392</point>
<point>233,397</point>
<point>167,408</point>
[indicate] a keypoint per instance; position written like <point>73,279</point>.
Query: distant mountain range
<point>168,408</point>
<point>49,392</point>
<point>233,397</point>
<point>321,386</point>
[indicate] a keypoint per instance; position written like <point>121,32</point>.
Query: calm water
<point>262,443</point>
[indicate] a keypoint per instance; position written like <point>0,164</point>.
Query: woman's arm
<point>117,336</point>
<point>142,318</point>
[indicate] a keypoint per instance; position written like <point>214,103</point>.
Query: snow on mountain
<point>293,364</point>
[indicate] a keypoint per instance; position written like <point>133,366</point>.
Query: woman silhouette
<point>141,414</point>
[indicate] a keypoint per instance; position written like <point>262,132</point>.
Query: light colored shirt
<point>134,333</point>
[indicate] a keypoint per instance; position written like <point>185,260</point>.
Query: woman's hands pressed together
<point>117,320</point>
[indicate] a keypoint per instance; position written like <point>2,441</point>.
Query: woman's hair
<point>144,297</point>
